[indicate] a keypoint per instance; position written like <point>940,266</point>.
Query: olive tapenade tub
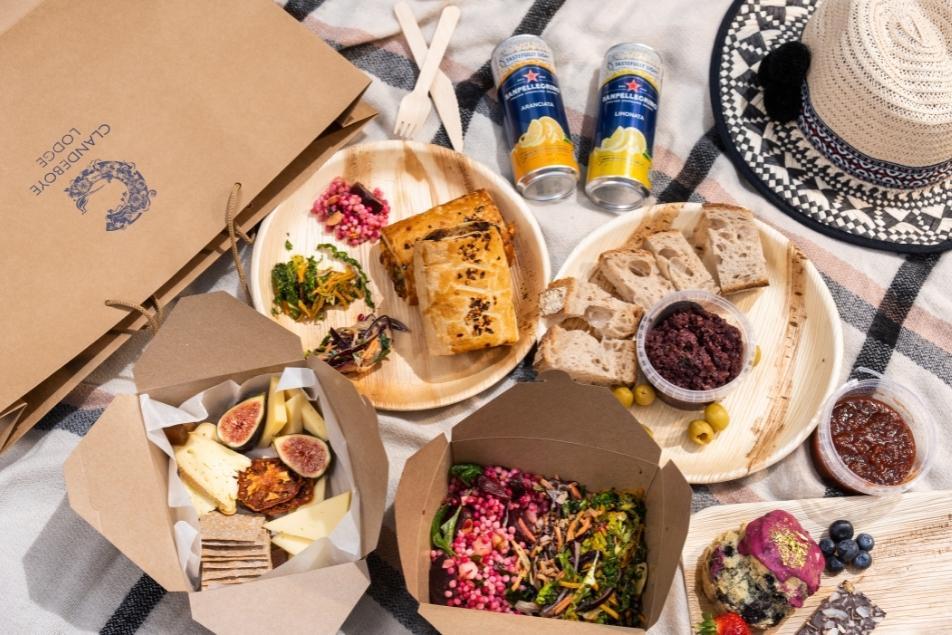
<point>694,347</point>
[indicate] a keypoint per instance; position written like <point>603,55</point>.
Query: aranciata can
<point>541,149</point>
<point>619,167</point>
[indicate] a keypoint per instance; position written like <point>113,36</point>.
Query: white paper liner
<point>343,545</point>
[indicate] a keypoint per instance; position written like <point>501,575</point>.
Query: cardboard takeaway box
<point>550,427</point>
<point>118,481</point>
<point>134,120</point>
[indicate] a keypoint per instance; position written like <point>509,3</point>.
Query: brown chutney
<point>873,440</point>
<point>695,349</point>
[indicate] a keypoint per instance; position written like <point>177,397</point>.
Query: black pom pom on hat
<point>781,74</point>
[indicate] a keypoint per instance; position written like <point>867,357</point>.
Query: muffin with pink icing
<point>763,570</point>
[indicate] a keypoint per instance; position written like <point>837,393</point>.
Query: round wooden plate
<point>797,326</point>
<point>414,177</point>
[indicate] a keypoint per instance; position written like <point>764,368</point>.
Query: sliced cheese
<point>277,414</point>
<point>313,421</point>
<point>289,394</point>
<point>207,430</point>
<point>201,501</point>
<point>320,487</point>
<point>292,544</point>
<point>313,521</point>
<point>213,468</point>
<point>293,405</point>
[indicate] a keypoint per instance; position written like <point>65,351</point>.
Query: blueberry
<point>862,560</point>
<point>827,546</point>
<point>841,530</point>
<point>846,550</point>
<point>865,542</point>
<point>834,564</point>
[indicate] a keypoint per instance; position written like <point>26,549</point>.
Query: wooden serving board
<point>773,410</point>
<point>414,177</point>
<point>911,574</point>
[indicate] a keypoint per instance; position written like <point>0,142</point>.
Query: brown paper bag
<point>127,126</point>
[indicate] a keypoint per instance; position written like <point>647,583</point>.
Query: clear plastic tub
<point>901,399</point>
<point>670,393</point>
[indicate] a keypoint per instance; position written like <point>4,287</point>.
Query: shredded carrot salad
<point>304,290</point>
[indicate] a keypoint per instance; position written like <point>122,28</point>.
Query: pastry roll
<point>398,239</point>
<point>464,285</point>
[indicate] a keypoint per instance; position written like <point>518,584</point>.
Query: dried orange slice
<point>268,482</point>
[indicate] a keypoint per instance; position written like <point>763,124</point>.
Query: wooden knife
<point>441,90</point>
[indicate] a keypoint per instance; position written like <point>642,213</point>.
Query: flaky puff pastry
<point>398,239</point>
<point>464,286</point>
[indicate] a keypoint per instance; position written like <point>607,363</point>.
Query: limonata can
<point>619,167</point>
<point>541,149</point>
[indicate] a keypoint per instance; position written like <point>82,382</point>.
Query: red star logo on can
<point>531,76</point>
<point>632,85</point>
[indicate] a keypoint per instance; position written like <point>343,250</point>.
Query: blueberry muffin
<point>763,570</point>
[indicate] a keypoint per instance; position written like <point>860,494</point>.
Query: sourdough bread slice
<point>607,316</point>
<point>679,263</point>
<point>634,275</point>
<point>657,218</point>
<point>729,242</point>
<point>586,359</point>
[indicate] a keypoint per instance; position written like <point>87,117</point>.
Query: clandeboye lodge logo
<point>134,201</point>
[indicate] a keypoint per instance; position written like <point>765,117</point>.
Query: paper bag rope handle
<point>235,232</point>
<point>154,318</point>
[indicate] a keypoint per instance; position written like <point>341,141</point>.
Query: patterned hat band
<point>862,166</point>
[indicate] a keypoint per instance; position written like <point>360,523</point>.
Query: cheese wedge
<point>313,421</point>
<point>201,501</point>
<point>277,414</point>
<point>207,430</point>
<point>313,521</point>
<point>292,544</point>
<point>213,468</point>
<point>295,424</point>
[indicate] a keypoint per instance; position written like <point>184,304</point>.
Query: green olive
<point>644,395</point>
<point>756,356</point>
<point>701,432</point>
<point>716,415</point>
<point>624,396</point>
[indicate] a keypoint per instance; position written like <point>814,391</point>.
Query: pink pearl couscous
<point>353,213</point>
<point>485,565</point>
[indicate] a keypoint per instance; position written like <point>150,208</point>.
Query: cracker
<point>259,563</point>
<point>237,527</point>
<point>243,563</point>
<point>257,551</point>
<point>215,583</point>
<point>235,549</point>
<point>211,575</point>
<point>230,544</point>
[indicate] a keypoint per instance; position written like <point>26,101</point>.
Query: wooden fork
<point>415,107</point>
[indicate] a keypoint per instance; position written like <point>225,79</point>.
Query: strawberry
<point>723,624</point>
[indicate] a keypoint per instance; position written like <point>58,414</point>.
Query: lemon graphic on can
<point>624,139</point>
<point>542,131</point>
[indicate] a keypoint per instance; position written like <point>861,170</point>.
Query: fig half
<point>242,424</point>
<point>308,456</point>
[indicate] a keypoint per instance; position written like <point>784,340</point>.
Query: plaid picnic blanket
<point>60,576</point>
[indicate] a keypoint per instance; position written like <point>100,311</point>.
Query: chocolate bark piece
<point>846,612</point>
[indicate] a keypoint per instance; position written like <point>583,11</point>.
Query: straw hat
<point>868,157</point>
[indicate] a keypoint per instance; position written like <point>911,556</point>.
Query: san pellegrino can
<point>541,149</point>
<point>619,167</point>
